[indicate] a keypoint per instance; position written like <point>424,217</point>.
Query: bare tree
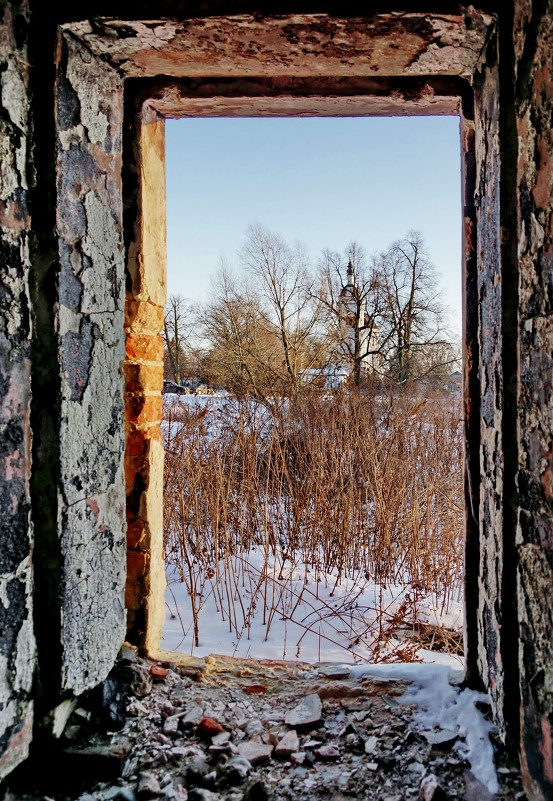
<point>176,332</point>
<point>280,280</point>
<point>353,296</point>
<point>243,350</point>
<point>413,320</point>
<point>268,326</point>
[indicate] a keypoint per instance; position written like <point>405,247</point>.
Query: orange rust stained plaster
<point>546,749</point>
<point>547,475</point>
<point>144,409</point>
<point>544,181</point>
<point>143,377</point>
<point>301,45</point>
<point>144,348</point>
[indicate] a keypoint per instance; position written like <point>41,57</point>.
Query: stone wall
<point>533,53</point>
<point>471,383</point>
<point>17,645</point>
<point>514,146</point>
<point>489,297</point>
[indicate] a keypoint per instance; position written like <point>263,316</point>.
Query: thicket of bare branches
<point>366,489</point>
<point>242,353</point>
<point>366,308</point>
<point>261,323</point>
<point>413,320</point>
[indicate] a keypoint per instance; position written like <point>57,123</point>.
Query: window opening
<point>313,427</point>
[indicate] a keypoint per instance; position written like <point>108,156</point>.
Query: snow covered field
<point>297,614</point>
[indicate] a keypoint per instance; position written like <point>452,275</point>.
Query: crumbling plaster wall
<point>77,298</point>
<point>17,645</point>
<point>514,182</point>
<point>89,325</point>
<point>405,43</point>
<point>490,615</point>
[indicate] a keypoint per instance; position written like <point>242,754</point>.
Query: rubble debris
<point>288,745</point>
<point>442,738</point>
<point>431,789</point>
<point>206,739</point>
<point>256,753</point>
<point>306,714</point>
<point>208,728</point>
<point>148,785</point>
<point>254,689</point>
<point>158,673</point>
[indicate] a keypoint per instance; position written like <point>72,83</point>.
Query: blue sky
<point>323,181</point>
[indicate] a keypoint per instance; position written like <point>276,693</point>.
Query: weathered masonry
<point>84,90</point>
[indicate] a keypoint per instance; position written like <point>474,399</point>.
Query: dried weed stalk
<point>367,488</point>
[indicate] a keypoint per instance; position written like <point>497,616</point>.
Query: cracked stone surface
<point>363,744</point>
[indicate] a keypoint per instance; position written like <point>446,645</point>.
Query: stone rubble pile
<point>238,730</point>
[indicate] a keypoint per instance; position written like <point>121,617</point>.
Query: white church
<point>358,335</point>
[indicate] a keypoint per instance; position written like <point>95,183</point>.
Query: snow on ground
<point>441,705</point>
<point>314,622</point>
<point>296,614</point>
<point>312,618</point>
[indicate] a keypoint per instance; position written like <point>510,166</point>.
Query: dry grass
<point>366,488</point>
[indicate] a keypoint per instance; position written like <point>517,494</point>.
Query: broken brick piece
<point>158,673</point>
<point>208,728</point>
<point>254,689</point>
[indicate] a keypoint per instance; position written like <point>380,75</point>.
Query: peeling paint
<point>17,645</point>
<point>89,320</point>
<point>297,44</point>
<point>535,435</point>
<point>488,237</point>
